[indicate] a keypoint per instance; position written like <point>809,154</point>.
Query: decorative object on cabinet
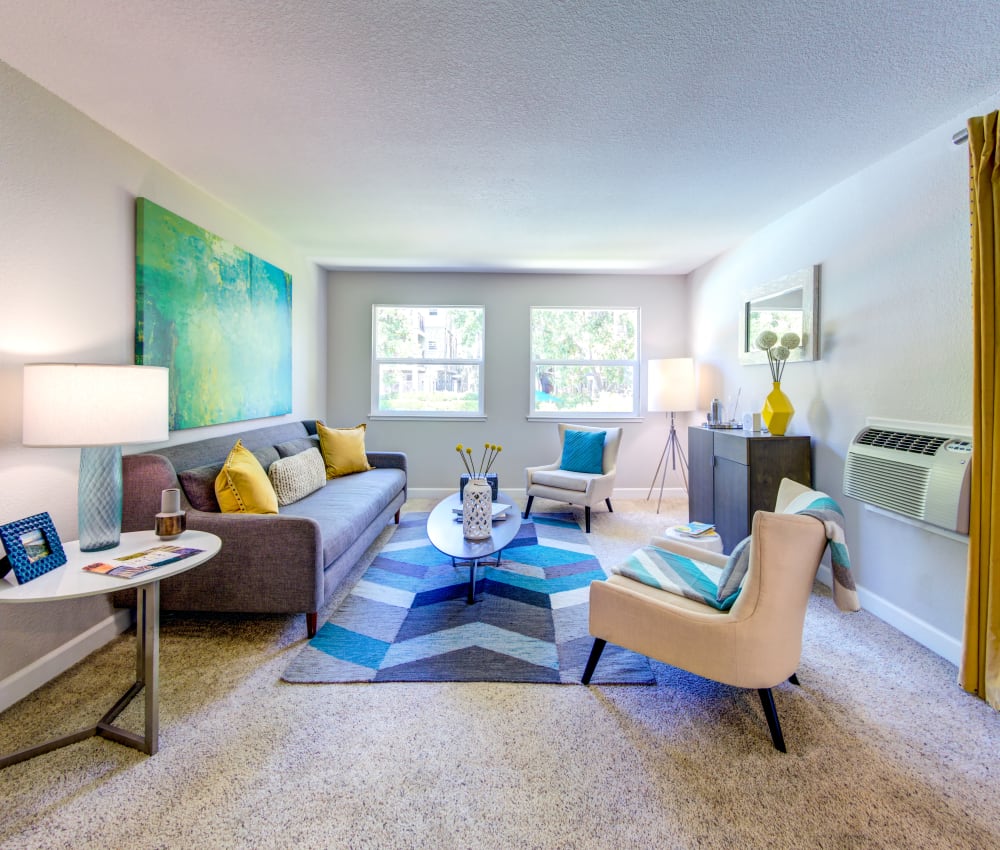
<point>33,547</point>
<point>671,391</point>
<point>778,411</point>
<point>733,474</point>
<point>217,316</point>
<point>97,407</point>
<point>790,302</point>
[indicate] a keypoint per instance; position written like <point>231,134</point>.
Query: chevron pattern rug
<point>407,619</point>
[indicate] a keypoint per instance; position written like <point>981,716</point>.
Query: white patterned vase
<point>477,510</point>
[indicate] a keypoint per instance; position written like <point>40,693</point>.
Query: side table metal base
<point>147,677</point>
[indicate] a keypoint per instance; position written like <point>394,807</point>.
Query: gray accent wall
<point>430,444</point>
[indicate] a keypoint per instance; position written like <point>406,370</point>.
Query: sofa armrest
<point>387,460</point>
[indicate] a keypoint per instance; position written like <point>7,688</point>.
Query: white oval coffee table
<point>445,534</point>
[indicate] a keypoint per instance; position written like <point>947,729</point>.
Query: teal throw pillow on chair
<point>583,451</point>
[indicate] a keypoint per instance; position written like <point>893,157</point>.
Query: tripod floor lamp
<point>671,391</point>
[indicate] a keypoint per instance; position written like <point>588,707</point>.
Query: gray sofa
<point>285,563</point>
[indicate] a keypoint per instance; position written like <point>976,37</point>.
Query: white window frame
<point>479,364</point>
<point>535,363</point>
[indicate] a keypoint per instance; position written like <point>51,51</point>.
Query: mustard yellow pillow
<point>343,450</point>
<point>242,486</point>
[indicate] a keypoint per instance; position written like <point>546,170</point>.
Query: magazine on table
<point>499,511</point>
<point>129,566</point>
<point>695,529</point>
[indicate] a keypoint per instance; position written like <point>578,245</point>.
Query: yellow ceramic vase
<point>778,410</point>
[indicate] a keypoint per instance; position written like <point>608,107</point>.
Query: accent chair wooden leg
<point>611,510</point>
<point>527,509</point>
<point>595,655</point>
<point>771,713</point>
<point>311,620</point>
<point>794,679</point>
<point>586,513</point>
<point>397,515</point>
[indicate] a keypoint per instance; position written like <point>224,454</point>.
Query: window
<point>584,361</point>
<point>427,361</point>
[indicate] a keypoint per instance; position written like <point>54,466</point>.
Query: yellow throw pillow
<point>242,487</point>
<point>343,450</point>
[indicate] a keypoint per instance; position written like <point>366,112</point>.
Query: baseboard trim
<point>18,685</point>
<point>921,631</point>
<point>618,493</point>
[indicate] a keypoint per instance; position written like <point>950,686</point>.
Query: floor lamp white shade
<point>99,408</point>
<point>671,389</point>
<point>671,385</point>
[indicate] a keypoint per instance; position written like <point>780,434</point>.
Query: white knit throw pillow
<point>297,476</point>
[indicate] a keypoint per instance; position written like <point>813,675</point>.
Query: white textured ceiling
<point>649,136</point>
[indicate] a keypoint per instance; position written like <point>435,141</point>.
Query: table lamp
<point>98,408</point>
<point>671,390</point>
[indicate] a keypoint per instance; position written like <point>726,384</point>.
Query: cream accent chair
<point>757,643</point>
<point>577,488</point>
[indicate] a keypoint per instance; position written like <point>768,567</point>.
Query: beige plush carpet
<point>885,751</point>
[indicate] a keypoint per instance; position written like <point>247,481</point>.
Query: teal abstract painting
<point>217,316</point>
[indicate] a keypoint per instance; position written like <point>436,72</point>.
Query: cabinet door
<point>701,488</point>
<point>732,510</point>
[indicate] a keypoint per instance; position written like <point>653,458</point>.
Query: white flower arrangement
<point>778,349</point>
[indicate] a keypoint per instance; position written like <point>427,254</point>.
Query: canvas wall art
<point>217,316</point>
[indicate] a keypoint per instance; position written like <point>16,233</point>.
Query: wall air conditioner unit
<point>924,476</point>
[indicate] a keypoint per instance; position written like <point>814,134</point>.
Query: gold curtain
<point>980,671</point>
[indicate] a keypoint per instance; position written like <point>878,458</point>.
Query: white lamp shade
<point>82,404</point>
<point>671,385</point>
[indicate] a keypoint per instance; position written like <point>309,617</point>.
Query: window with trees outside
<point>427,361</point>
<point>584,361</point>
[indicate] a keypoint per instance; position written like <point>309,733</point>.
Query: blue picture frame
<point>33,546</point>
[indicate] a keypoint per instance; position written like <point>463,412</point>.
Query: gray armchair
<point>585,489</point>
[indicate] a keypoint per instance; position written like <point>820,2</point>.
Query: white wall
<point>430,445</point>
<point>895,317</point>
<point>67,290</point>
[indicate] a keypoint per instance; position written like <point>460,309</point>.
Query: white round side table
<point>710,540</point>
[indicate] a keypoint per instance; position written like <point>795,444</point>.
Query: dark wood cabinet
<point>732,474</point>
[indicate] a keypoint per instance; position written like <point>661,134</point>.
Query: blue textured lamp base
<point>100,497</point>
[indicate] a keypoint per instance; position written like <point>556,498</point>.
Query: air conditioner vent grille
<point>901,441</point>
<point>892,485</point>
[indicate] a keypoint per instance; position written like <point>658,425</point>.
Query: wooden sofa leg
<point>311,619</point>
<point>611,510</point>
<point>595,655</point>
<point>527,509</point>
<point>397,515</point>
<point>586,513</point>
<point>771,713</point>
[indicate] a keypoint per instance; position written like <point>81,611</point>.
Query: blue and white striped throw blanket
<point>820,506</point>
<point>696,580</point>
<point>676,574</point>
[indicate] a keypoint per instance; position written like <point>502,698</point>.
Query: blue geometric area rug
<point>407,619</point>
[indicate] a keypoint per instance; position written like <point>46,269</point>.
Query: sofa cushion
<point>295,477</point>
<point>343,450</point>
<point>199,486</point>
<point>199,482</point>
<point>297,446</point>
<point>242,486</point>
<point>583,451</point>
<point>347,505</point>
